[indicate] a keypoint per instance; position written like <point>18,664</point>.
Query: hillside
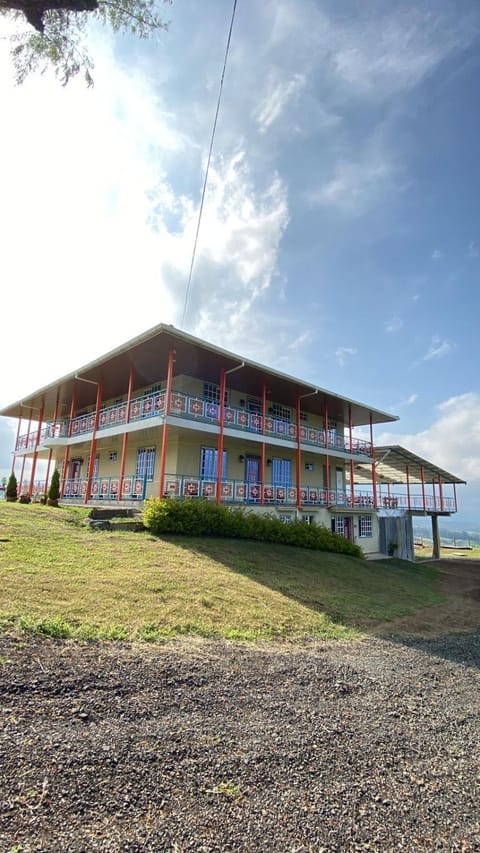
<point>61,578</point>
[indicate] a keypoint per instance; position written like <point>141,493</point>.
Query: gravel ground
<point>209,746</point>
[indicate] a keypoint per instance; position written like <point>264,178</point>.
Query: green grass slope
<point>61,578</point>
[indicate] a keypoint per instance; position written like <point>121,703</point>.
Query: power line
<point>208,164</point>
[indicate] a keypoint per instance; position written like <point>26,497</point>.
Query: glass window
<point>209,463</point>
<point>281,472</point>
<point>365,526</point>
<point>145,463</point>
<point>95,466</point>
<point>211,393</point>
<point>280,413</point>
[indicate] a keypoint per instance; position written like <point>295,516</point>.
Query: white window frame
<point>211,393</point>
<point>365,527</point>
<point>209,463</point>
<point>281,413</point>
<point>145,465</point>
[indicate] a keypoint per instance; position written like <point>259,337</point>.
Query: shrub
<point>24,499</point>
<point>11,490</point>
<point>202,518</point>
<point>54,490</point>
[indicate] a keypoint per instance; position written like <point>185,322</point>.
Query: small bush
<point>24,499</point>
<point>11,490</point>
<point>202,518</point>
<point>54,490</point>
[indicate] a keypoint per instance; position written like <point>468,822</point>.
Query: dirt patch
<point>370,745</point>
<point>459,581</point>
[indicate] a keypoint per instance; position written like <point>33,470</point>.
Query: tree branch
<point>34,10</point>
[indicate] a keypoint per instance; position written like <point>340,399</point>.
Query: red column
<point>93,444</point>
<point>374,468</point>
<point>299,455</point>
<point>455,495</point>
<point>264,448</point>
<point>168,398</point>
<point>408,487</point>
<point>67,449</point>
<point>440,489</point>
<point>125,435</point>
<point>35,453</point>
<point>434,494</point>
<point>223,385</point>
<point>422,475</point>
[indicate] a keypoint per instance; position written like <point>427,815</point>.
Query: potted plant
<point>11,490</point>
<point>54,490</point>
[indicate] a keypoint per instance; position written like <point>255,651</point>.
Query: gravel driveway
<point>208,746</point>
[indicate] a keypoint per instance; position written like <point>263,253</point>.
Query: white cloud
<point>342,354</point>
<point>97,214</point>
<point>303,339</point>
<point>437,255</point>
<point>382,55</point>
<point>277,98</point>
<point>394,325</point>
<point>437,349</point>
<point>407,401</point>
<point>472,249</point>
<point>358,184</point>
<point>452,441</point>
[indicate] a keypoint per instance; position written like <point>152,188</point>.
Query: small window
<point>113,456</point>
<point>308,519</point>
<point>339,523</point>
<point>280,413</point>
<point>211,393</point>
<point>95,465</point>
<point>281,472</point>
<point>145,463</point>
<point>365,527</point>
<point>286,517</point>
<point>209,463</point>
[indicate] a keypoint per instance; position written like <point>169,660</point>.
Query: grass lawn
<point>61,578</point>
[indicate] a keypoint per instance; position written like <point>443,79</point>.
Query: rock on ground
<point>209,746</point>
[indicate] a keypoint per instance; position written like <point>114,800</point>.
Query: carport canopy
<point>396,465</point>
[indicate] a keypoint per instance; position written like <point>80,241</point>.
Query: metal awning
<point>392,463</point>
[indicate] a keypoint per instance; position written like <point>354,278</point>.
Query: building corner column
<point>435,538</point>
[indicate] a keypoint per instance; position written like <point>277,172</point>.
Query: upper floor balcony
<point>191,409</point>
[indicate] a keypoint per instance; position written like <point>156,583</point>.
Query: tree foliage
<point>55,31</point>
<point>11,490</point>
<point>54,490</point>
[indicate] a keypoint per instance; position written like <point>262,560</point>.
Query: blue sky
<point>341,230</point>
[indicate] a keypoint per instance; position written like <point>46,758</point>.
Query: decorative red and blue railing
<point>197,409</point>
<point>240,492</point>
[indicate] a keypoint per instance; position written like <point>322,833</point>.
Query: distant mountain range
<point>448,535</point>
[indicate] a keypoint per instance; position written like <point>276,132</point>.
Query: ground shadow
<point>439,630</point>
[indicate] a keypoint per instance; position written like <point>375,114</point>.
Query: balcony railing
<point>234,491</point>
<point>197,409</point>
